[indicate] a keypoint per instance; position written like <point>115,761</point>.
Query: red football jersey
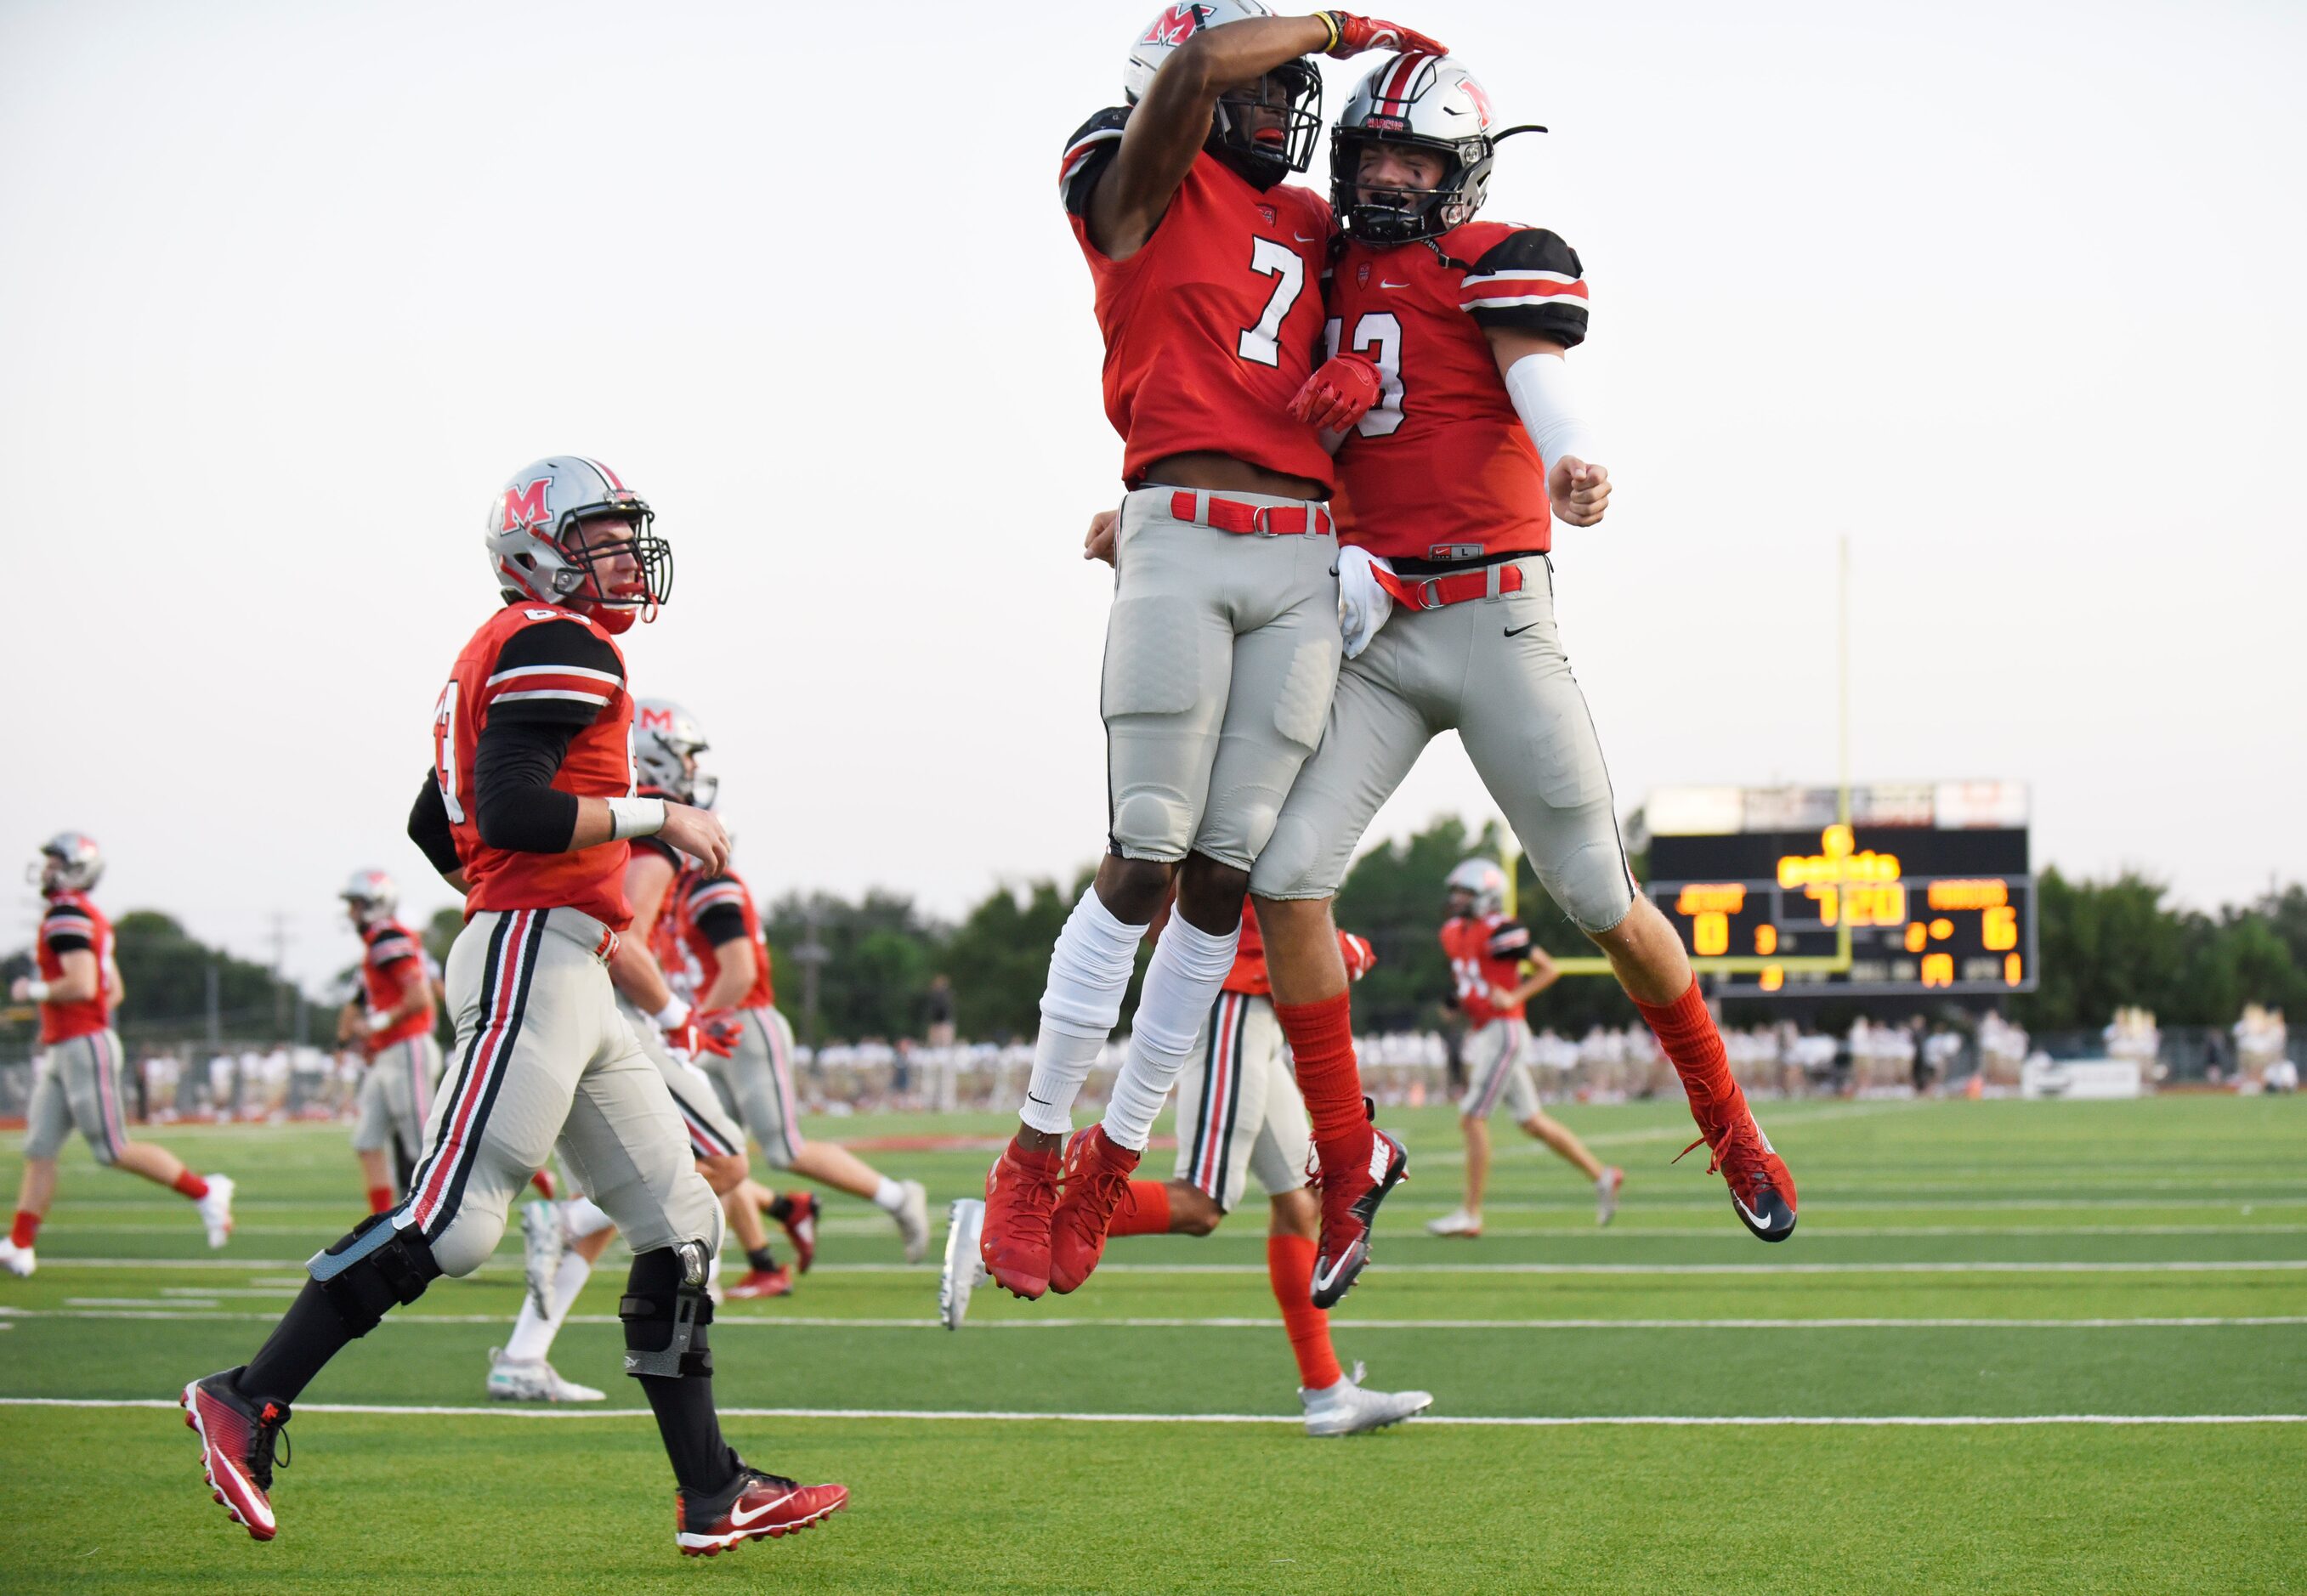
<point>394,962</point>
<point>1213,326</point>
<point>71,924</point>
<point>538,663</point>
<point>1441,468</point>
<point>1248,974</point>
<point>1486,954</point>
<point>713,911</point>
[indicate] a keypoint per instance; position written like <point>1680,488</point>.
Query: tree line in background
<point>870,962</point>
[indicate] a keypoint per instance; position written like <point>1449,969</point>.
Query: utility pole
<point>279,981</point>
<point>812,955</point>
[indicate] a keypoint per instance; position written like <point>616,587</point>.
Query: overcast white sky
<point>2007,293</point>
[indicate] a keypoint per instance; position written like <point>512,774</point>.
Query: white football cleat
<point>533,1379</point>
<point>17,1261</point>
<point>216,1209</point>
<point>1605,1194</point>
<point>965,1266</point>
<point>543,1241</point>
<point>1457,1222</point>
<point>1346,1409</point>
<point>913,1217</point>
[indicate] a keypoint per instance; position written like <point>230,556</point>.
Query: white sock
<point>888,1196</point>
<point>1190,965</point>
<point>532,1332</point>
<point>1089,970</point>
<point>581,1217</point>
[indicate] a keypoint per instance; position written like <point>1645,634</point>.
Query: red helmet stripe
<point>1396,89</point>
<point>607,476</point>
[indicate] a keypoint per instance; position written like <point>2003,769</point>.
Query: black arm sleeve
<point>516,807</point>
<point>428,827</point>
<point>1088,153</point>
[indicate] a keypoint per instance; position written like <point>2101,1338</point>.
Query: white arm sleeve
<point>1547,400</point>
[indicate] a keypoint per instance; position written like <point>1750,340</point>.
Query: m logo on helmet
<point>654,719</point>
<point>1481,99</point>
<point>1174,26</point>
<point>525,507</point>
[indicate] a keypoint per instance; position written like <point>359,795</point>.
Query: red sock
<point>192,1185</point>
<point>1686,1031</point>
<point>379,1200</point>
<point>1144,1211</point>
<point>27,1226</point>
<point>1321,1037</point>
<point>1290,1265</point>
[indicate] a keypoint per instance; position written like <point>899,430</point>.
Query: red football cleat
<point>1097,1177</point>
<point>237,1437</point>
<point>1762,1188</point>
<point>801,1227</point>
<point>1349,1199</point>
<point>755,1508</point>
<point>1021,1193</point>
<point>762,1282</point>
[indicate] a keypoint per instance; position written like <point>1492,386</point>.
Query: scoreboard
<point>1926,890</point>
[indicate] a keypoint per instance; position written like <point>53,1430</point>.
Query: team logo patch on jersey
<point>525,507</point>
<point>1175,26</point>
<point>1361,274</point>
<point>1269,214</point>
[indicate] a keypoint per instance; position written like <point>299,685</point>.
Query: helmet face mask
<point>1414,102</point>
<point>545,543</point>
<point>1232,139</point>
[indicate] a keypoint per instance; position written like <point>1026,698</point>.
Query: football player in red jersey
<point>1222,643</point>
<point>1240,1116</point>
<point>1449,485</point>
<point>76,1081</point>
<point>392,1023</point>
<point>1487,955</point>
<point>529,810</point>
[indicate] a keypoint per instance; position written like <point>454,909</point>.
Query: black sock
<point>762,1257</point>
<point>780,1207</point>
<point>310,1334</point>
<point>690,1427</point>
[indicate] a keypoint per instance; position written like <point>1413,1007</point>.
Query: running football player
<point>391,1024</point>
<point>532,782</point>
<point>76,1080</point>
<point>1222,643</point>
<point>1488,952</point>
<point>1246,1119</point>
<point>1449,486</point>
<point>715,928</point>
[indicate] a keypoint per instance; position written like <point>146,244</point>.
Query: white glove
<point>1362,604</point>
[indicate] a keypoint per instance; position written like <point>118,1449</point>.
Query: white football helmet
<point>371,896</point>
<point>666,741</point>
<point>1483,880</point>
<point>1299,82</point>
<point>532,550</point>
<point>69,862</point>
<point>1423,102</point>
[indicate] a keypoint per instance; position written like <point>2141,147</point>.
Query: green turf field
<point>1972,1262</point>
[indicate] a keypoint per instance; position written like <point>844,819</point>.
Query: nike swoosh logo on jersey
<point>1301,238</point>
<point>1518,631</point>
<point>740,1519</point>
<point>1383,284</point>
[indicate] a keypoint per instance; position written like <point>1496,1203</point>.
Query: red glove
<point>719,1030</point>
<point>691,1038</point>
<point>1360,956</point>
<point>1338,394</point>
<point>1356,34</point>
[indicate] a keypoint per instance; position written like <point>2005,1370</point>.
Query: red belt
<point>1249,520</point>
<point>1433,593</point>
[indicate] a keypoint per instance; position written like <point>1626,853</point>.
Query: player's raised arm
<point>1241,81</point>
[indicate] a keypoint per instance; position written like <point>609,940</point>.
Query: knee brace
<point>665,1310</point>
<point>373,1270</point>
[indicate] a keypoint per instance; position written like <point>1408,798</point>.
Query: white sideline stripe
<point>1695,1420</point>
<point>1573,1233</point>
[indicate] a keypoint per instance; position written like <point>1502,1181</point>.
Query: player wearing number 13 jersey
<point>1449,485</point>
<point>1222,643</point>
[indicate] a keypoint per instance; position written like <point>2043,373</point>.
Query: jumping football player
<point>532,781</point>
<point>391,1024</point>
<point>1487,952</point>
<point>76,1082</point>
<point>1222,643</point>
<point>1449,484</point>
<point>1246,1119</point>
<point>717,929</point>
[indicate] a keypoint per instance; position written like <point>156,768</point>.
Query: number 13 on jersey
<point>1378,334</point>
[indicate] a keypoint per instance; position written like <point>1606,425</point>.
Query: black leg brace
<point>665,1310</point>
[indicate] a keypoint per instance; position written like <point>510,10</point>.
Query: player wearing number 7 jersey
<point>1449,487</point>
<point>1222,645</point>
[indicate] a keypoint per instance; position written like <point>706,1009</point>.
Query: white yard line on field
<point>962,1415</point>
